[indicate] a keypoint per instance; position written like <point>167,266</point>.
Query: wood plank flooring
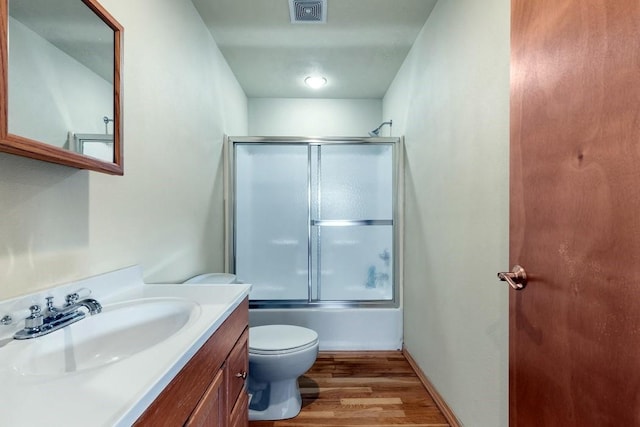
<point>374,389</point>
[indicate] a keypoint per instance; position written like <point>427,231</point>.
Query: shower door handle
<point>516,278</point>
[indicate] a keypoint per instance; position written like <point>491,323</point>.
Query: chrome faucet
<point>72,304</point>
<point>54,318</point>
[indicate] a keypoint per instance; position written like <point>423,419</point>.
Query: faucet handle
<point>71,298</point>
<point>35,319</point>
<point>77,295</point>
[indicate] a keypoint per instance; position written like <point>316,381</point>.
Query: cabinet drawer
<point>238,367</point>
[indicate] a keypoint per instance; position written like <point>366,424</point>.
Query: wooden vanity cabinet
<point>211,388</point>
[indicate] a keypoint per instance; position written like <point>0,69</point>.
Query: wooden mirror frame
<point>21,146</point>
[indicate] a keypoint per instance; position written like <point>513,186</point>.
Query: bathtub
<point>340,328</point>
<point>348,328</point>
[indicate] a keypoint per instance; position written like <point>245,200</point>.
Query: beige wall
<point>165,213</point>
<point>451,101</point>
<point>314,117</point>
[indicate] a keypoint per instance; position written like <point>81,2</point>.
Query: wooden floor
<point>372,389</point>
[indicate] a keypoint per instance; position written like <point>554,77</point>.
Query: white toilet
<point>278,355</point>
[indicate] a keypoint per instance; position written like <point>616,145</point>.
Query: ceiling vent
<point>308,11</point>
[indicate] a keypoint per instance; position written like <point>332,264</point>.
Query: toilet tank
<point>212,279</point>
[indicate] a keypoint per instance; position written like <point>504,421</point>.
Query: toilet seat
<point>280,339</point>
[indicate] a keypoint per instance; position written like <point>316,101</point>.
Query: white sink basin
<point>120,331</point>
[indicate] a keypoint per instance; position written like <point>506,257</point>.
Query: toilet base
<point>277,400</point>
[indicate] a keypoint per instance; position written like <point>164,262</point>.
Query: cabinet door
<point>210,411</point>
<point>238,366</point>
<point>240,414</point>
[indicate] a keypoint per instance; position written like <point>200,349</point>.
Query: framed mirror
<point>60,65</point>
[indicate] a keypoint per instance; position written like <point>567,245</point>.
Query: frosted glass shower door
<point>314,221</point>
<point>352,222</point>
<point>272,220</point>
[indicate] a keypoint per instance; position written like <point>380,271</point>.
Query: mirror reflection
<point>61,76</point>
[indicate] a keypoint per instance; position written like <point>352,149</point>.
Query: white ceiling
<point>359,50</point>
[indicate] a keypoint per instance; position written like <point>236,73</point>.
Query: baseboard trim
<point>440,402</point>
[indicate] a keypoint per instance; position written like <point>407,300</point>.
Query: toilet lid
<point>280,338</point>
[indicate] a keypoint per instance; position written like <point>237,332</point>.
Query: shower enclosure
<point>315,222</point>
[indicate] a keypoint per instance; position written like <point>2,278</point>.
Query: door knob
<point>516,278</point>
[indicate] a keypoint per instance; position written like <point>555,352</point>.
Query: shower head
<point>376,131</point>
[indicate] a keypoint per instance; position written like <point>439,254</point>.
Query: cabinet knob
<point>242,375</point>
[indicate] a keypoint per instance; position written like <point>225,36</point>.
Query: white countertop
<point>115,394</point>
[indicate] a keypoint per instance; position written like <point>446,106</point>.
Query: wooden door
<point>575,213</point>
